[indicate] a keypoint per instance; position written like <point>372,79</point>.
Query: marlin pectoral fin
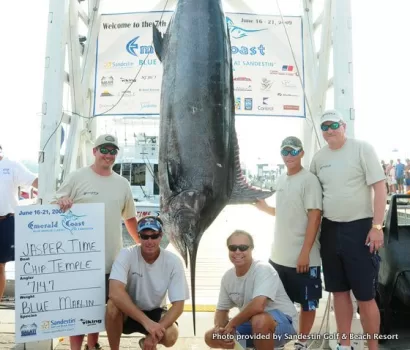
<point>158,39</point>
<point>243,192</point>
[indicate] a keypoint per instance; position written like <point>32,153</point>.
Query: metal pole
<point>343,62</point>
<point>54,76</point>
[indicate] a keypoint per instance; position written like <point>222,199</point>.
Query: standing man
<point>295,250</point>
<point>100,184</point>
<point>400,176</point>
<point>407,175</point>
<point>351,232</point>
<point>141,277</point>
<point>12,175</point>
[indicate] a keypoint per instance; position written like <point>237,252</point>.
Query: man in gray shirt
<point>350,173</point>
<point>267,317</point>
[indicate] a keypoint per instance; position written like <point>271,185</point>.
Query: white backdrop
<point>266,77</point>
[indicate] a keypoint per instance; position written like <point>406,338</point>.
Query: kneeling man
<point>140,278</point>
<point>266,313</point>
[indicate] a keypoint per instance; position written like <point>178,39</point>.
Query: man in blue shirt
<point>400,176</point>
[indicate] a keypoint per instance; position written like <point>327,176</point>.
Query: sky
<point>380,79</point>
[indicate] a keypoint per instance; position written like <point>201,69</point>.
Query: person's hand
<point>375,240</point>
<point>224,341</point>
<point>150,343</point>
<point>261,205</point>
<point>155,330</point>
<point>302,265</point>
<point>65,203</point>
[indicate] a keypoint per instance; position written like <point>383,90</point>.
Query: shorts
<point>131,326</point>
<point>400,180</point>
<point>408,182</point>
<point>346,260</point>
<point>283,332</point>
<point>7,239</point>
<point>302,288</point>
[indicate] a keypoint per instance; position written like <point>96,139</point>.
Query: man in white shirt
<point>12,175</point>
<point>256,289</point>
<point>295,250</point>
<point>98,183</point>
<point>140,279</point>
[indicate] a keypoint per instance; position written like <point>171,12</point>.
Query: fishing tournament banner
<point>60,271</point>
<point>267,80</point>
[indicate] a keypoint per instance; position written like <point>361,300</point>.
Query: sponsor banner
<point>266,79</point>
<point>60,271</point>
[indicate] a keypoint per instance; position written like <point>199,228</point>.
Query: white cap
<point>331,116</point>
<point>106,139</point>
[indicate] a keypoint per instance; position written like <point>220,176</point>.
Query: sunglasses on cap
<point>292,152</point>
<point>104,150</point>
<point>146,237</point>
<point>241,247</point>
<point>333,126</point>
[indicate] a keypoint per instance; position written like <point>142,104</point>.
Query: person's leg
<point>362,269</point>
<point>217,342</point>
<point>335,278</point>
<point>284,328</point>
<point>76,341</point>
<point>114,319</point>
<point>6,249</point>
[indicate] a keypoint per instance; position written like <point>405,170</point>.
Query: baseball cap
<point>292,142</point>
<point>331,116</point>
<point>149,224</point>
<point>106,139</point>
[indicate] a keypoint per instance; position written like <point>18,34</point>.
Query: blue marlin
<point>238,32</point>
<point>199,169</point>
<point>69,217</point>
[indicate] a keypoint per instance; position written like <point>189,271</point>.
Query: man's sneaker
<point>141,343</point>
<point>97,346</point>
<point>300,346</point>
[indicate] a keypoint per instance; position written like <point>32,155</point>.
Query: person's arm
<point>172,314</point>
<point>256,306</point>
<point>379,202</point>
<point>221,318</point>
<point>131,225</point>
<point>263,206</point>
<point>129,215</point>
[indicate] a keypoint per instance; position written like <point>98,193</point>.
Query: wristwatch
<point>377,227</point>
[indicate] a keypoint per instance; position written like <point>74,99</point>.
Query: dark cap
<point>292,142</point>
<point>149,223</point>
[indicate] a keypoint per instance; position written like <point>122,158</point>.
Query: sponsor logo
<point>265,105</point>
<point>286,73</point>
<point>288,84</point>
<point>148,77</point>
<point>126,94</point>
<point>240,32</point>
<point>266,84</point>
<point>286,68</point>
<point>106,93</point>
<point>57,325</point>
<point>118,64</point>
<point>90,322</point>
<point>287,95</point>
<point>248,104</point>
<point>128,80</point>
<point>149,90</point>
<point>242,79</point>
<point>238,103</point>
<point>107,81</point>
<point>134,49</point>
<point>290,108</point>
<point>27,330</point>
<point>145,105</point>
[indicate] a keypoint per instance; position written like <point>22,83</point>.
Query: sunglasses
<point>104,150</point>
<point>241,247</point>
<point>292,152</point>
<point>146,237</point>
<point>333,126</point>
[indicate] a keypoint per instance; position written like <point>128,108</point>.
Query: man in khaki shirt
<point>350,173</point>
<point>99,184</point>
<point>295,250</point>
